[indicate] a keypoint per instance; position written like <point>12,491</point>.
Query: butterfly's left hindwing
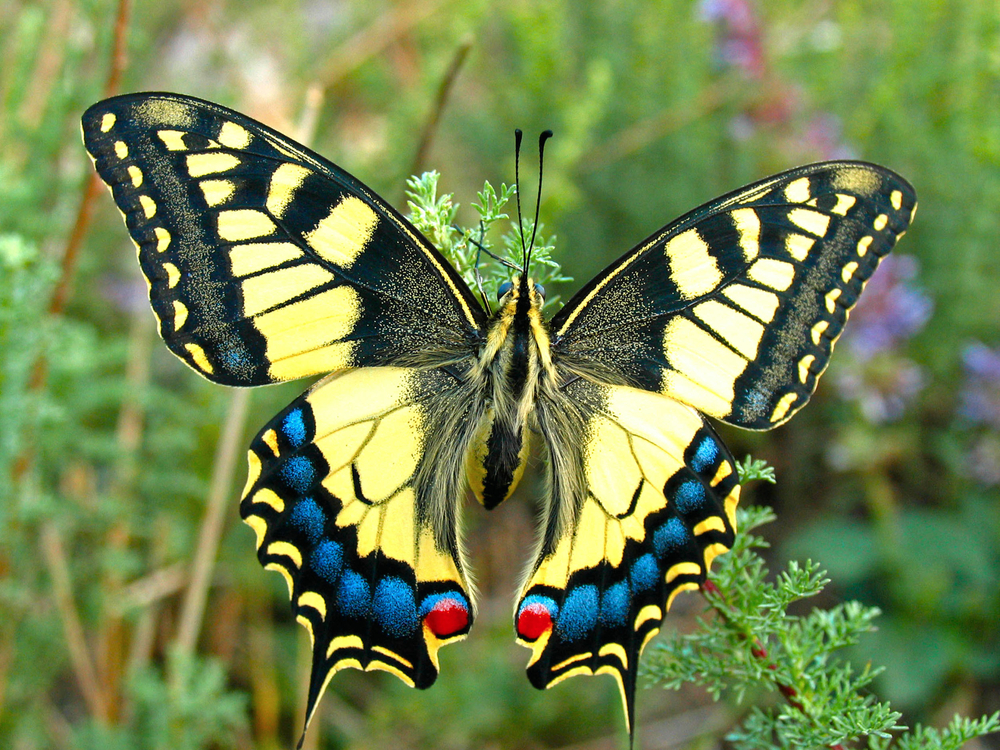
<point>653,502</point>
<point>344,508</point>
<point>266,262</point>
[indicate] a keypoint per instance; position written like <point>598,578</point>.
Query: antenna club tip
<point>546,134</point>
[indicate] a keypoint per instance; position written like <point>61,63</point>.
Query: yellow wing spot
<point>649,612</point>
<point>804,364</point>
<point>730,503</point>
<point>896,199</point>
<point>848,272</point>
<point>758,302</point>
<point>748,226</point>
<point>712,523</point>
<point>880,222</point>
<point>254,257</point>
<point>172,139</point>
<point>783,406</point>
<point>259,526</point>
<point>913,212</point>
<point>831,300</point>
<point>704,370</point>
<point>342,236</point>
<point>742,333</point>
<point>343,642</point>
<point>724,471</point>
<point>863,244</point>
<point>269,497</point>
<point>692,267</point>
<point>614,649</point>
<point>108,122</point>
<point>572,660</point>
<point>234,136</point>
<point>173,275</point>
<point>271,290</point>
<point>199,165</point>
<point>287,178</point>
<point>393,655</point>
<point>284,549</point>
<point>198,355</point>
<point>162,239</point>
<point>253,472</point>
<point>776,274</point>
<point>148,206</point>
<point>180,314</point>
<point>682,569</point>
<point>818,330</point>
<point>309,324</point>
<point>798,191</point>
<point>217,191</point>
<point>712,551</point>
<point>284,574</point>
<point>798,246</point>
<point>121,150</point>
<point>689,586</point>
<point>856,180</point>
<point>270,439</point>
<point>813,222</point>
<point>242,224</point>
<point>844,204</point>
<point>312,599</point>
<point>307,624</point>
<point>136,174</point>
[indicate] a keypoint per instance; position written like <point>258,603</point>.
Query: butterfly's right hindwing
<point>266,262</point>
<point>342,509</point>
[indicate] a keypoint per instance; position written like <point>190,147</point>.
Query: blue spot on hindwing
<point>670,537</point>
<point>298,473</point>
<point>293,427</point>
<point>579,613</point>
<point>395,607</point>
<point>689,496</point>
<point>354,595</point>
<point>327,560</point>
<point>645,573</point>
<point>614,604</point>
<point>429,602</point>
<point>704,455</point>
<point>308,518</point>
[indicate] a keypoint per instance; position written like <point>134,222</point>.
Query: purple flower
<point>891,310</point>
<point>979,400</point>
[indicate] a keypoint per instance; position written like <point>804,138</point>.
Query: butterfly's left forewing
<point>363,530</point>
<point>646,498</point>
<point>265,261</point>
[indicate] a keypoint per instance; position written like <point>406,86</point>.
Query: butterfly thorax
<point>514,362</point>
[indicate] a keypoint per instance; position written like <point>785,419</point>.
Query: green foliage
<point>753,649</point>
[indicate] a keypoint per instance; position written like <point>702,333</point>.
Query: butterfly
<point>268,263</point>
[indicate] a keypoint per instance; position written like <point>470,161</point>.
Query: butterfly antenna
<point>517,185</point>
<point>546,134</point>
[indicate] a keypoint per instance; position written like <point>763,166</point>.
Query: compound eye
<point>541,290</point>
<point>504,288</point>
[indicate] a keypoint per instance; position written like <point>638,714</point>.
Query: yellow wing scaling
<point>340,509</point>
<point>655,502</point>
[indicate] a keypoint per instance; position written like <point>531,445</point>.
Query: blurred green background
<point>132,617</point>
